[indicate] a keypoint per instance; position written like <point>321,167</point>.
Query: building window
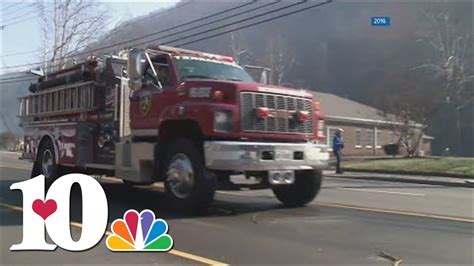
<point>392,138</point>
<point>331,132</point>
<point>358,138</point>
<point>378,139</point>
<point>370,138</point>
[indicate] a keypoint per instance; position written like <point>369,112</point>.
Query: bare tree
<point>68,26</point>
<point>450,57</point>
<point>236,46</point>
<point>408,132</point>
<point>280,58</point>
<point>409,106</point>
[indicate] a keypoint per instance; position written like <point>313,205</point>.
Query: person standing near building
<point>337,146</point>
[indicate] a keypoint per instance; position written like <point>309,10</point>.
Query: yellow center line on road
<point>17,166</point>
<point>174,252</point>
<point>353,207</point>
<point>12,207</point>
<point>407,213</point>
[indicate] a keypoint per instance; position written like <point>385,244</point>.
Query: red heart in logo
<point>44,209</point>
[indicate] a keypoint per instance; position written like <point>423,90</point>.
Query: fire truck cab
<point>185,118</point>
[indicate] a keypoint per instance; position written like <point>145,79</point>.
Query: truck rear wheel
<point>188,184</point>
<point>304,190</point>
<point>46,163</point>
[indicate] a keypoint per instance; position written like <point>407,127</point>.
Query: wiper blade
<point>234,79</point>
<point>199,77</point>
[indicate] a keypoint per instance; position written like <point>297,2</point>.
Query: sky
<point>22,37</point>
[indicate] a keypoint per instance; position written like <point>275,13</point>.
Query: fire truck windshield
<point>196,67</point>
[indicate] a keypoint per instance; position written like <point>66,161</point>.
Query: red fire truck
<point>185,118</point>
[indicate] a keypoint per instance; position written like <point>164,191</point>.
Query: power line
<point>259,22</point>
<point>18,22</point>
<point>195,27</point>
<point>14,14</point>
<point>230,24</point>
<point>159,13</point>
<point>13,78</point>
<point>18,80</point>
<point>12,5</point>
<point>22,53</point>
<point>158,32</point>
<point>252,24</point>
<point>171,28</point>
<point>113,30</point>
<point>13,21</point>
<point>187,23</point>
<point>180,25</point>
<point>138,38</point>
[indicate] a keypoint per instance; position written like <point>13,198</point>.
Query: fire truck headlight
<point>223,121</point>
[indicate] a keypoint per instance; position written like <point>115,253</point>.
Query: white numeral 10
<point>53,212</point>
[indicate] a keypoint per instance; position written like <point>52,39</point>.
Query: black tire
<point>45,151</point>
<point>304,190</point>
<point>201,192</point>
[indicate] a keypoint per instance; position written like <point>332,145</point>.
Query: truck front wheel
<point>304,190</point>
<point>189,186</point>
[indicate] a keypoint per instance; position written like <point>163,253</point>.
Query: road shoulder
<point>415,179</point>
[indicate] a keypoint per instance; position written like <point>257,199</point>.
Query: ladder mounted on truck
<point>65,99</point>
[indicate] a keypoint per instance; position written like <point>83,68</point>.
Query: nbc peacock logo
<point>139,232</point>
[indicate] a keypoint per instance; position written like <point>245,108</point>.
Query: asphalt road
<point>351,222</point>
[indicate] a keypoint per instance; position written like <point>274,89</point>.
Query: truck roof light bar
<point>180,51</point>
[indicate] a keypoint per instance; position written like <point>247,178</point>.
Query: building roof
<point>335,106</point>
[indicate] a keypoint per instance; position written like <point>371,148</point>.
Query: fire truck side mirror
<point>136,68</point>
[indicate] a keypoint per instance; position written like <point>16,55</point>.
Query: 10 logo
<point>51,211</point>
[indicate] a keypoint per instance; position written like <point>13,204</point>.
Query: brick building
<point>365,129</point>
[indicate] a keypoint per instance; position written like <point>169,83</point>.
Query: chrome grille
<point>250,101</point>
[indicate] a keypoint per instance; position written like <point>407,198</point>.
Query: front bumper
<point>254,156</point>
